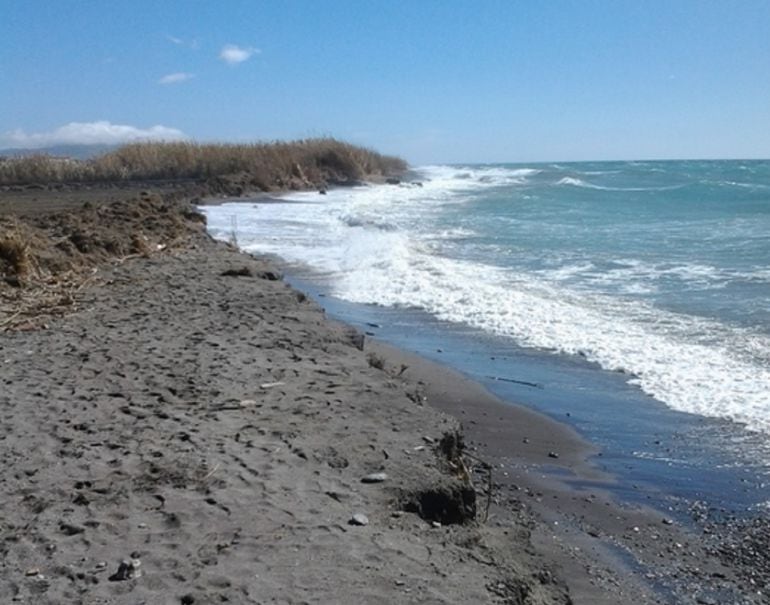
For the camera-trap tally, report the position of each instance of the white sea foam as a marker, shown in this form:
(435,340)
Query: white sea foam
(689,276)
(752,186)
(672,357)
(576,182)
(377,246)
(457,178)
(640,277)
(568,180)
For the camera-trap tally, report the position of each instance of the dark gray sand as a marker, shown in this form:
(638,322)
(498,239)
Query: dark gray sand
(217,430)
(186,436)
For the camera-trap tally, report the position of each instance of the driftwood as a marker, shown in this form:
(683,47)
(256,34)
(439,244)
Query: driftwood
(534,385)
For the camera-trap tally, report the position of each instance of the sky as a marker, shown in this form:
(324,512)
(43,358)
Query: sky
(432,81)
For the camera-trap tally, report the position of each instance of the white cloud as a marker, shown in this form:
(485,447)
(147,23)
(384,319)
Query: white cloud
(233,54)
(175,40)
(91,133)
(176,78)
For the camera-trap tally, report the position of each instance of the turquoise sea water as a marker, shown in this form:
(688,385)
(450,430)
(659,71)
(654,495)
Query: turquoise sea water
(658,272)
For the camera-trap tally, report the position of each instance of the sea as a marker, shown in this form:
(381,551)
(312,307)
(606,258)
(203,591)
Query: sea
(630,300)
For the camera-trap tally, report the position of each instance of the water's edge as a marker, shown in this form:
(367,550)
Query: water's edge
(660,457)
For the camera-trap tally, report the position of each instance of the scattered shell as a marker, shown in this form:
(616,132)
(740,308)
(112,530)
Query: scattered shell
(374,478)
(270,385)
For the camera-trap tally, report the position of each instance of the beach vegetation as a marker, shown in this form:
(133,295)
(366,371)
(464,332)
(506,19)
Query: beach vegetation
(14,254)
(269,166)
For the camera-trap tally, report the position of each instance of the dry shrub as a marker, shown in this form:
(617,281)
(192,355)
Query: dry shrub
(47,259)
(14,252)
(140,244)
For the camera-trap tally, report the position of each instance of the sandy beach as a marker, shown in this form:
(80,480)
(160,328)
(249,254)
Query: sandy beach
(187,428)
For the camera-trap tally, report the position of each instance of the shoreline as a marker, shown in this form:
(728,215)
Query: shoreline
(715,532)
(184,339)
(609,548)
(659,453)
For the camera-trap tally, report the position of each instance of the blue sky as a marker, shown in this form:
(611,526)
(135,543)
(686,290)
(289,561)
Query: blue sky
(433,81)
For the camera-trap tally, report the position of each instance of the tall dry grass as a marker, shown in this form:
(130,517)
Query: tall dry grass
(269,165)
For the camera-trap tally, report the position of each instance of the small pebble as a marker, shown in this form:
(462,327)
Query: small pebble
(32,571)
(123,572)
(136,564)
(374,478)
(553,455)
(127,570)
(359,519)
(69,529)
(436,524)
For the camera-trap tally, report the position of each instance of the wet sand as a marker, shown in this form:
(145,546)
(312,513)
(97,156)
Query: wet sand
(193,430)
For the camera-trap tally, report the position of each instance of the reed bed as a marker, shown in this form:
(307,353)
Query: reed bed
(268,165)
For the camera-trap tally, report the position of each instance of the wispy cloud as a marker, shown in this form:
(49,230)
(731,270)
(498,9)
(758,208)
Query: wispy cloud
(176,78)
(182,42)
(232,54)
(91,133)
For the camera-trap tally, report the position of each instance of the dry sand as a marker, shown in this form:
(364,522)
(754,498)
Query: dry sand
(195,418)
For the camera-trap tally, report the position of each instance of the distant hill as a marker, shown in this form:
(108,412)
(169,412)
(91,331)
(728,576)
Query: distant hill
(78,152)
